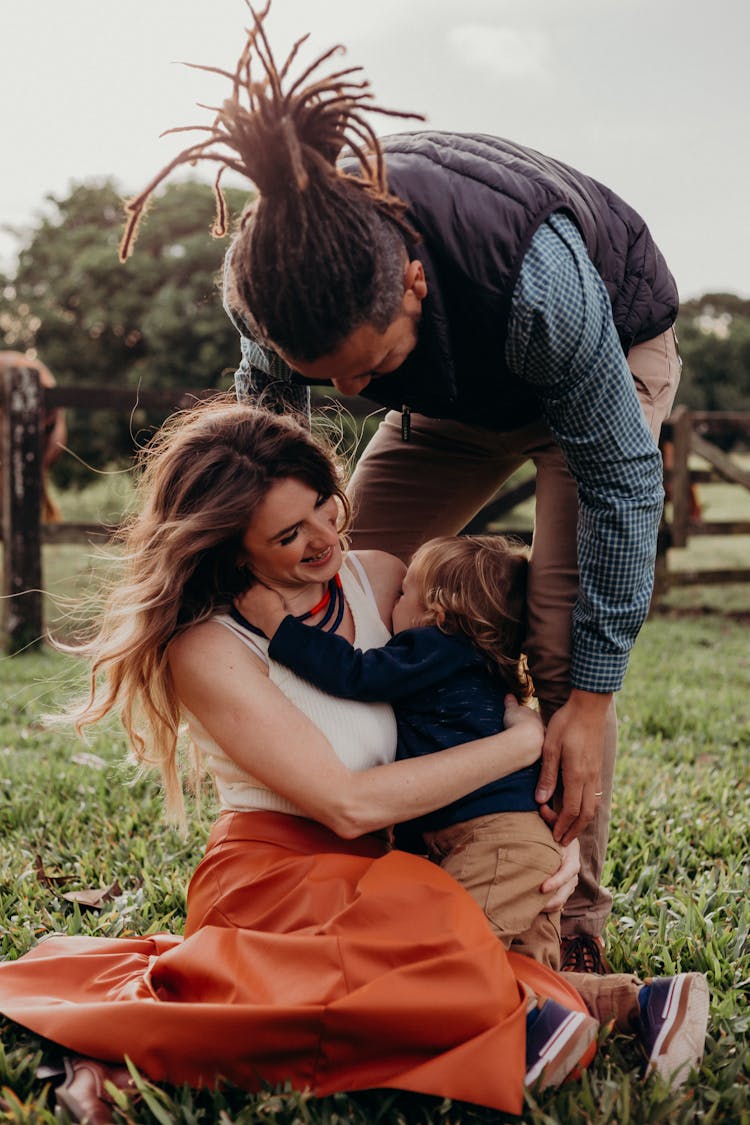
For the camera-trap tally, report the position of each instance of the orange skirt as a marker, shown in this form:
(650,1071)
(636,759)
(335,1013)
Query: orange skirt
(333,964)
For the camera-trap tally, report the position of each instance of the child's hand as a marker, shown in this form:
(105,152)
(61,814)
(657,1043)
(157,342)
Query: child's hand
(262,607)
(518,715)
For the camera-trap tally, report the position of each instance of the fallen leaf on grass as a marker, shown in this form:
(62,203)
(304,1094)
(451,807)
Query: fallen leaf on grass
(46,880)
(94,898)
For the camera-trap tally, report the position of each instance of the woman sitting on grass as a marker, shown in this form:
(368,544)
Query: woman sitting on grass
(312,954)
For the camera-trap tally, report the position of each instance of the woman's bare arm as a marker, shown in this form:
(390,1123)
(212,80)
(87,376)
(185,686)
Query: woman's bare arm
(219,680)
(386,573)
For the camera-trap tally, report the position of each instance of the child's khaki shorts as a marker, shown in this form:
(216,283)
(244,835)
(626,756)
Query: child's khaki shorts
(502,861)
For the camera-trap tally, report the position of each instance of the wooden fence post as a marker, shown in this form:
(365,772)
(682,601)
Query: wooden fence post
(682,430)
(661,566)
(22,498)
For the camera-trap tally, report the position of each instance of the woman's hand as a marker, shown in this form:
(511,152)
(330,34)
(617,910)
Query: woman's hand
(262,607)
(522,718)
(562,884)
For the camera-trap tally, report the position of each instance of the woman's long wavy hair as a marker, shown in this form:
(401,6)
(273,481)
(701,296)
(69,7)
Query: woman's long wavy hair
(321,250)
(202,478)
(476,585)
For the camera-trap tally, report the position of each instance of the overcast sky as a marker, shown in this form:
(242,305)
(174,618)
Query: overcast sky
(651,96)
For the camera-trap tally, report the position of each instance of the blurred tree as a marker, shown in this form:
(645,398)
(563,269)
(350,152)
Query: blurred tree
(156,321)
(714,333)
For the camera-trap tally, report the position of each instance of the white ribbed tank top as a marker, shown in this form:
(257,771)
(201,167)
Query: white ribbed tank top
(362,734)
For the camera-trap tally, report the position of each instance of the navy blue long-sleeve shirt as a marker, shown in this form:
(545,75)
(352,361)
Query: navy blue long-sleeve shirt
(443,693)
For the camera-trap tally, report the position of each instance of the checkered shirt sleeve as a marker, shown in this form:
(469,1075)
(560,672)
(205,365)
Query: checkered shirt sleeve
(262,377)
(563,342)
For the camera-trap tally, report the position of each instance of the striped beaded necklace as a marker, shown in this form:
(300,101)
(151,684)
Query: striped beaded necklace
(332,602)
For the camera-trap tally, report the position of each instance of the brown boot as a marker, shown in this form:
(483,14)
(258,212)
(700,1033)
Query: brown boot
(582,953)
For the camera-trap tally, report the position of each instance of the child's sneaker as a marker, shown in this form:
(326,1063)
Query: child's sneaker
(674,1017)
(559,1043)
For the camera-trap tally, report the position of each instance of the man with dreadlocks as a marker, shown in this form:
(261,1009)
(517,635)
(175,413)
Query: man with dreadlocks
(506,308)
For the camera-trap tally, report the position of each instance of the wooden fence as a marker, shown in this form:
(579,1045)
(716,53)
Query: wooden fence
(686,434)
(23,533)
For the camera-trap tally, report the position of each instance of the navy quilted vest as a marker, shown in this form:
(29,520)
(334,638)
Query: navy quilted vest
(477,201)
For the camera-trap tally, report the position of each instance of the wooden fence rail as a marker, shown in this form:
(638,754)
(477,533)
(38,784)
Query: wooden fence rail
(686,433)
(24,401)
(23,535)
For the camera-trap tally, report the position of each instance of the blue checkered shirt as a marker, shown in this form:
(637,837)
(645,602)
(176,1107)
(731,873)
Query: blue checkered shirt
(562,340)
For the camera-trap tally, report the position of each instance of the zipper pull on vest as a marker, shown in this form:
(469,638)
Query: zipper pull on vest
(405,423)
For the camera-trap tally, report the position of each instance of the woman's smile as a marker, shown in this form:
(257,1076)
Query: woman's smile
(320,559)
(293,538)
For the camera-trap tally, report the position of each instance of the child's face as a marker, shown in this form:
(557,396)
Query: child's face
(409,611)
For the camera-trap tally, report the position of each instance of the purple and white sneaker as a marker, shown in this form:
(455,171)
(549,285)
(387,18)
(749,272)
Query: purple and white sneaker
(674,1018)
(559,1043)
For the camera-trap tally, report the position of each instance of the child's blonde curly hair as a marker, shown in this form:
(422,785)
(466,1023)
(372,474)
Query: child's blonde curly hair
(476,585)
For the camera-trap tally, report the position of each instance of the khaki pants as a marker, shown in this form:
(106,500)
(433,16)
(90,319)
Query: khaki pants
(502,860)
(407,492)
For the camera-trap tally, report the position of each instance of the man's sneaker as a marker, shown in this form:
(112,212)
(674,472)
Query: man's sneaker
(674,1017)
(582,953)
(558,1044)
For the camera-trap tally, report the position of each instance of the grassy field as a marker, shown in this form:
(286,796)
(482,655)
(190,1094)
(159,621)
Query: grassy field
(72,818)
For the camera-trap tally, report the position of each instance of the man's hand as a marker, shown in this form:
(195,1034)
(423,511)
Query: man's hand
(573,748)
(262,607)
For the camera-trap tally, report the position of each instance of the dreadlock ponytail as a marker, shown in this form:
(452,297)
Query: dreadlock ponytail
(320,251)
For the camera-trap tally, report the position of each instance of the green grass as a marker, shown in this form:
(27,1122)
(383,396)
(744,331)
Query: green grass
(679,865)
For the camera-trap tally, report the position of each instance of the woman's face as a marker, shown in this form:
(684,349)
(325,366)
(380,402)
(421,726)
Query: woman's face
(292,539)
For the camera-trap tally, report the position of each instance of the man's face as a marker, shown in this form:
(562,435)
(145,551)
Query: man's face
(368,353)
